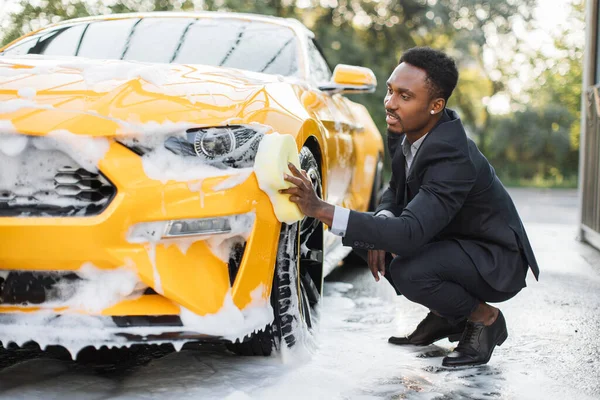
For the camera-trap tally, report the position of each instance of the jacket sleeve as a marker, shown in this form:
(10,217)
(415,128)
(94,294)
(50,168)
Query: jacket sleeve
(446,183)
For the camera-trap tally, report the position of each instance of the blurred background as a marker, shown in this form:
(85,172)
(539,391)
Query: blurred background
(520,62)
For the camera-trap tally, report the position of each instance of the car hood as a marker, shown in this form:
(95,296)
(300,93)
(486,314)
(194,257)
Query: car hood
(39,95)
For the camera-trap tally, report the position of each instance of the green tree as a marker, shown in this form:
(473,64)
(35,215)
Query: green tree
(560,80)
(540,143)
(374,34)
(534,145)
(34,16)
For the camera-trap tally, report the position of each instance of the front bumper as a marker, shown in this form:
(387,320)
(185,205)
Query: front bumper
(194,278)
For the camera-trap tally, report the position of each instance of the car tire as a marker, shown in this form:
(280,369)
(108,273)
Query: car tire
(294,295)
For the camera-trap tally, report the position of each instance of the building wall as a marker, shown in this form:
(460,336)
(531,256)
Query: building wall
(589,160)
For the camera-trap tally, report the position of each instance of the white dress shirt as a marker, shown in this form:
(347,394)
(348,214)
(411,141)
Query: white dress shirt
(341,214)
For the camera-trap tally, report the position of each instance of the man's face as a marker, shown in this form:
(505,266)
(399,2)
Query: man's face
(407,102)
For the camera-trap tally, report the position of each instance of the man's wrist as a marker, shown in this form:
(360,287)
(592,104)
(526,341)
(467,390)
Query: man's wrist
(325,213)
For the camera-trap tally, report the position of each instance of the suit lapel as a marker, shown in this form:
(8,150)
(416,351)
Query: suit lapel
(414,165)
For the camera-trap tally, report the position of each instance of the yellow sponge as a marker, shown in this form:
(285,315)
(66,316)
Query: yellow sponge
(274,153)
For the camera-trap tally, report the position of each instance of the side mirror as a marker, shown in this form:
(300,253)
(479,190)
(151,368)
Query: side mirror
(350,79)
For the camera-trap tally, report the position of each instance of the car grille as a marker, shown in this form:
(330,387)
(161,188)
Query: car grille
(62,189)
(32,287)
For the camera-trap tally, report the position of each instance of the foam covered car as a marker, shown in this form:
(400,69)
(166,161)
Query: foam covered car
(140,161)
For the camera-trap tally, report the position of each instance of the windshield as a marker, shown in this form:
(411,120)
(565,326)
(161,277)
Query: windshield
(228,42)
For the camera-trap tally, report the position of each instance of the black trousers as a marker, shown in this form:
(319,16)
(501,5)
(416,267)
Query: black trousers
(442,277)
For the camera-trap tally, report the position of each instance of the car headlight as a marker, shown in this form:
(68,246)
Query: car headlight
(215,143)
(229,146)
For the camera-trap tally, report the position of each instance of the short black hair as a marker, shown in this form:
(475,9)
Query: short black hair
(442,74)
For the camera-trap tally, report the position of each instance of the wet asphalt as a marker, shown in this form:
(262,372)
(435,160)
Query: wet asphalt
(553,350)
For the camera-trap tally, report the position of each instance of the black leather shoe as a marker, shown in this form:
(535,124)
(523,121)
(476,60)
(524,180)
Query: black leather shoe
(477,343)
(431,329)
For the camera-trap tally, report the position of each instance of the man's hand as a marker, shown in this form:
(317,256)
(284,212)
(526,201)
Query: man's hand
(304,195)
(376,260)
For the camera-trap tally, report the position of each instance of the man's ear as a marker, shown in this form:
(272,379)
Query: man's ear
(437,105)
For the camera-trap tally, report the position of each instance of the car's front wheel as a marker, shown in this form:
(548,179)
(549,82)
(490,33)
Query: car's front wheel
(294,294)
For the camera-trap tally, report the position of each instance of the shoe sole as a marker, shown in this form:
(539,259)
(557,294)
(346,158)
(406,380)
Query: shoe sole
(499,342)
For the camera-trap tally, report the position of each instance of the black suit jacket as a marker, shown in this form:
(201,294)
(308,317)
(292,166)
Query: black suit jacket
(451,193)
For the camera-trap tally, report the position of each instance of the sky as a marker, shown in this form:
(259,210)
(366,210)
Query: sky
(550,16)
(550,13)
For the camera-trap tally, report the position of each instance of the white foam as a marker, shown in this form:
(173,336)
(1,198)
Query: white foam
(147,232)
(197,187)
(230,322)
(75,332)
(95,71)
(96,290)
(241,227)
(183,244)
(369,165)
(86,150)
(12,144)
(7,127)
(164,166)
(235,180)
(7,70)
(221,245)
(238,395)
(101,288)
(10,106)
(151,249)
(152,132)
(28,165)
(27,92)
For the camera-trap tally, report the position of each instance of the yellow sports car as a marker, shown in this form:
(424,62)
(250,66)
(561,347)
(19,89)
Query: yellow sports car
(140,161)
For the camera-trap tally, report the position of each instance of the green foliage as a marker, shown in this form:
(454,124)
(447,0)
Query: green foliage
(536,144)
(34,16)
(375,34)
(532,144)
(540,143)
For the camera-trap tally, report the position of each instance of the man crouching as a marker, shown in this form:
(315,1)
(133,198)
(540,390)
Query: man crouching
(457,239)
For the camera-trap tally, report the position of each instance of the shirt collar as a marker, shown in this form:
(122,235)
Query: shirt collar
(414,147)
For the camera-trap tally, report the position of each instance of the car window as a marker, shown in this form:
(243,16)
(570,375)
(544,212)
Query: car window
(228,42)
(319,70)
(107,39)
(255,46)
(60,42)
(22,47)
(156,39)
